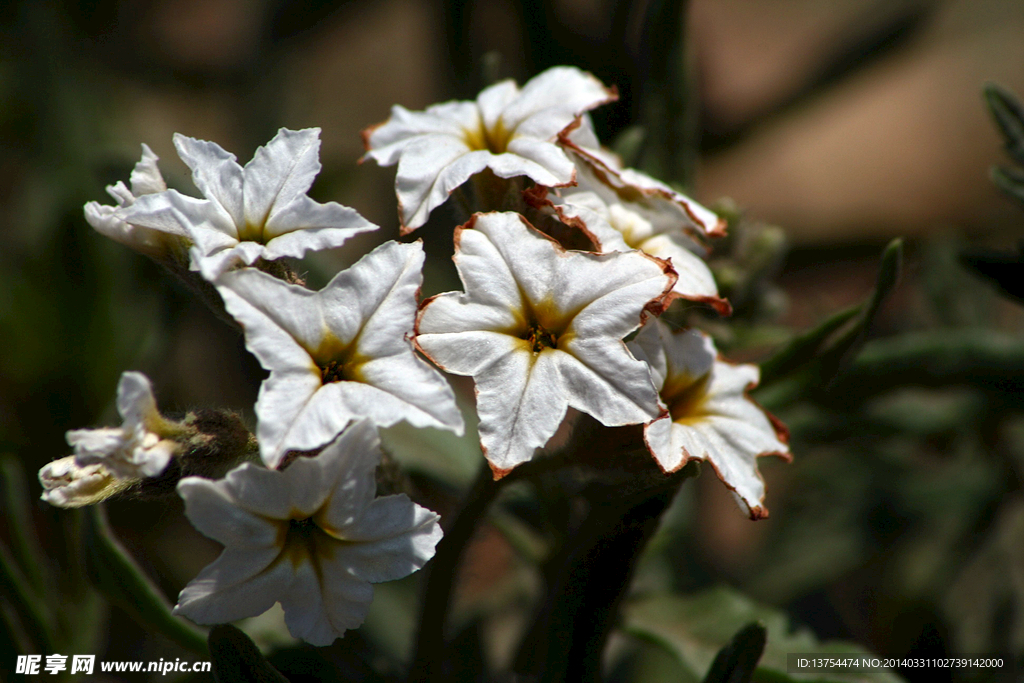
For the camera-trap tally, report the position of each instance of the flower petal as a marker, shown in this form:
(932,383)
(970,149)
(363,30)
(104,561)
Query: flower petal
(280,172)
(550,101)
(146,177)
(203,222)
(395,538)
(215,510)
(283,323)
(216,173)
(238,584)
(135,399)
(354,455)
(321,604)
(327,225)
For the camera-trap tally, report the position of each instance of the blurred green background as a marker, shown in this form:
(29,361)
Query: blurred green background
(900,524)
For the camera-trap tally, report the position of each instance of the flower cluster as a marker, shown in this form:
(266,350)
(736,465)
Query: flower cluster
(540,328)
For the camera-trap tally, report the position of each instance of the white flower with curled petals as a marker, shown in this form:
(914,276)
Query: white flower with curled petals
(710,416)
(669,212)
(621,226)
(509,130)
(168,242)
(339,354)
(66,484)
(141,446)
(312,537)
(540,329)
(259,211)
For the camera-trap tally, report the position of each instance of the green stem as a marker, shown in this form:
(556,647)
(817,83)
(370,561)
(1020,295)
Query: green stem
(429,660)
(589,579)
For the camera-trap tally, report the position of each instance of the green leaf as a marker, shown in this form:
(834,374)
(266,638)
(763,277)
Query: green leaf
(18,519)
(1010,181)
(823,350)
(237,659)
(667,102)
(27,606)
(736,661)
(116,575)
(1009,116)
(805,346)
(693,629)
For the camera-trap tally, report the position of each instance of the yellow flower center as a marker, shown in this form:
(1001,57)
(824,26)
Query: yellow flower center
(338,362)
(686,398)
(494,140)
(304,541)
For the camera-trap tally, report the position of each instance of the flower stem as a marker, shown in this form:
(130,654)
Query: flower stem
(588,580)
(429,660)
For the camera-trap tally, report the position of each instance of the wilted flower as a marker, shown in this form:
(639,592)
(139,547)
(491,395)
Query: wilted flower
(311,537)
(710,416)
(66,484)
(170,242)
(339,354)
(510,131)
(142,446)
(540,329)
(260,211)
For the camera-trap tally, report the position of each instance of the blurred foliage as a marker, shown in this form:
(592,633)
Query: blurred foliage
(693,628)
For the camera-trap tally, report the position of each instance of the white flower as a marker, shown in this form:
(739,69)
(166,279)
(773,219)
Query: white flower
(69,485)
(260,211)
(540,329)
(622,225)
(338,354)
(139,447)
(710,416)
(171,241)
(510,131)
(669,212)
(311,537)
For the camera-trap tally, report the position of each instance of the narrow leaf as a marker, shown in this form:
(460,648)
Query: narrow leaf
(116,575)
(236,658)
(1009,116)
(823,350)
(804,347)
(18,519)
(1010,181)
(735,663)
(27,605)
(667,100)
(850,342)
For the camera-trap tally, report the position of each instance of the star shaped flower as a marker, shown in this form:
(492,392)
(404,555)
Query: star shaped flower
(141,447)
(512,132)
(710,416)
(259,211)
(540,329)
(171,242)
(312,537)
(339,354)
